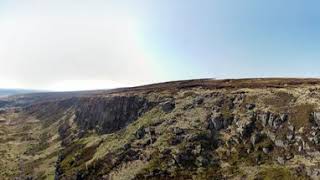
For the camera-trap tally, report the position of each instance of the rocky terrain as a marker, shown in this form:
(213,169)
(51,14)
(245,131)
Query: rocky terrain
(197,129)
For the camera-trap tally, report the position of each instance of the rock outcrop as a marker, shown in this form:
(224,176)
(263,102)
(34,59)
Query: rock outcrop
(107,115)
(229,129)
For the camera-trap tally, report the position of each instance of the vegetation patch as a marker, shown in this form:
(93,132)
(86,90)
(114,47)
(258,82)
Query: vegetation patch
(300,115)
(226,109)
(279,101)
(277,173)
(40,146)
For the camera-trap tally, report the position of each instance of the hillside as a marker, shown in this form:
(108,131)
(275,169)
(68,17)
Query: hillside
(196,129)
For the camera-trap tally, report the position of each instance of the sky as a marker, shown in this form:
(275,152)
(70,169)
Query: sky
(98,44)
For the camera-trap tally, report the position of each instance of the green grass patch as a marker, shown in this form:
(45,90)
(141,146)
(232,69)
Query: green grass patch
(277,173)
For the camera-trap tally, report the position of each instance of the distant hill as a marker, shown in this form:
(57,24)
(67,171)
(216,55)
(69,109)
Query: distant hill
(9,92)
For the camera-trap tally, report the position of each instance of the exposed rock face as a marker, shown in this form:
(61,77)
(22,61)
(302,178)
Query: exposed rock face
(195,132)
(316,118)
(218,122)
(272,120)
(106,115)
(264,117)
(255,138)
(246,128)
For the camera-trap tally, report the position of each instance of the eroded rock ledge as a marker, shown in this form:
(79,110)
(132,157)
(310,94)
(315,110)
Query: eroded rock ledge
(109,114)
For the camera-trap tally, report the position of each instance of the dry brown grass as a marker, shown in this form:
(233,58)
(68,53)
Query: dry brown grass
(253,83)
(279,101)
(300,115)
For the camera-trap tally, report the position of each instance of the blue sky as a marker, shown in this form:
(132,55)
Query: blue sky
(236,38)
(68,45)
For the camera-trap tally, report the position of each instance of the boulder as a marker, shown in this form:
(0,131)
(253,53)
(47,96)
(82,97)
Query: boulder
(250,106)
(171,122)
(291,128)
(279,143)
(271,120)
(313,173)
(258,159)
(276,123)
(255,138)
(188,106)
(184,158)
(153,140)
(281,160)
(245,129)
(151,131)
(127,146)
(289,156)
(202,161)
(166,152)
(271,135)
(168,106)
(216,122)
(178,131)
(290,136)
(198,101)
(252,115)
(175,140)
(197,150)
(316,118)
(140,133)
(264,117)
(284,117)
(266,150)
(316,139)
(249,150)
(279,120)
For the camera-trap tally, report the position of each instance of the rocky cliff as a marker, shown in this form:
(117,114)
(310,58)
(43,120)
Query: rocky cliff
(107,115)
(199,129)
